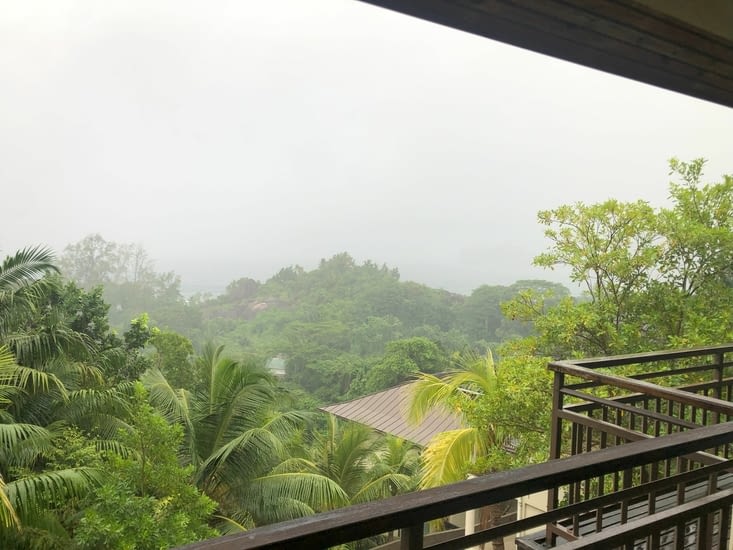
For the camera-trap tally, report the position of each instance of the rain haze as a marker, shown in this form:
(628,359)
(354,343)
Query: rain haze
(234,138)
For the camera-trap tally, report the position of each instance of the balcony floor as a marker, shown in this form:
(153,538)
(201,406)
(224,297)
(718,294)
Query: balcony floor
(636,510)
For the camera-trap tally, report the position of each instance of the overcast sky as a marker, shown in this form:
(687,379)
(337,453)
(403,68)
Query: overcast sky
(234,138)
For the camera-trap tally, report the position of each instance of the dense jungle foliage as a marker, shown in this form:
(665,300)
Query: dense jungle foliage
(133,417)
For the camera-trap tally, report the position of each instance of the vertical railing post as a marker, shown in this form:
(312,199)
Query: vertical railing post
(724,541)
(411,538)
(718,392)
(557,405)
(555,444)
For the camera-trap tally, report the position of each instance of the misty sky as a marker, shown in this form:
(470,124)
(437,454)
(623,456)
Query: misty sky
(233,138)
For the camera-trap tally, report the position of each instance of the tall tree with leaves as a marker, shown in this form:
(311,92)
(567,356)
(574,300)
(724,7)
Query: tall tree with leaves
(653,278)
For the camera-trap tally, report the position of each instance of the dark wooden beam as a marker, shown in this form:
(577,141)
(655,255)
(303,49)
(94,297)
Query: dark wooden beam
(617,36)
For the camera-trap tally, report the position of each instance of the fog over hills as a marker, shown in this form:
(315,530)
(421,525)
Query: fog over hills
(196,278)
(235,139)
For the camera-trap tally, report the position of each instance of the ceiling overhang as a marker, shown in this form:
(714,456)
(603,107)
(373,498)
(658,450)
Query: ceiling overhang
(679,45)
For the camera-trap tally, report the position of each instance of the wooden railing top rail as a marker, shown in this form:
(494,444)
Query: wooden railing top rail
(683,370)
(647,388)
(647,357)
(411,510)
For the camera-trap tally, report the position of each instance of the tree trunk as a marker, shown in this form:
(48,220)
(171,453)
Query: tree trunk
(490,517)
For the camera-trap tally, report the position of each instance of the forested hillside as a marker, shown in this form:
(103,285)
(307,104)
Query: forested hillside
(341,329)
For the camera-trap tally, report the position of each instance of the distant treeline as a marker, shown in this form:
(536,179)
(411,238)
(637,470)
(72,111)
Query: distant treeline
(332,325)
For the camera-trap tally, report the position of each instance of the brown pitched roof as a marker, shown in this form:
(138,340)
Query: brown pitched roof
(386,412)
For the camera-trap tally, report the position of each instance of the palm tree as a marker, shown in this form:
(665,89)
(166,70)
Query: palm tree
(22,288)
(475,449)
(30,325)
(399,456)
(24,268)
(47,383)
(238,442)
(27,498)
(366,466)
(43,386)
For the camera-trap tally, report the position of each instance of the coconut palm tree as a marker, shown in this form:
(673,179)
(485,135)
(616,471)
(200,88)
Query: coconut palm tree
(27,496)
(43,387)
(366,466)
(238,442)
(24,268)
(475,449)
(400,456)
(30,325)
(22,289)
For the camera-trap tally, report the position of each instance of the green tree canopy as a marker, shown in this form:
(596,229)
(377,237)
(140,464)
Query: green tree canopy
(653,278)
(402,360)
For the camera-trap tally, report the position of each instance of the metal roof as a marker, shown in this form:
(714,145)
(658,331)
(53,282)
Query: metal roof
(386,411)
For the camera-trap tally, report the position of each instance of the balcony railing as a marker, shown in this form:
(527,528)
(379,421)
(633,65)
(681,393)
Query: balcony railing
(640,458)
(612,401)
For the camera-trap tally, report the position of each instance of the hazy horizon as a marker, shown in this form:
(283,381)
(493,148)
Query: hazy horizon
(234,139)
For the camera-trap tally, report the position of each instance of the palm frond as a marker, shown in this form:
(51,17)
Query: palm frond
(76,374)
(449,454)
(7,359)
(284,424)
(26,266)
(295,464)
(476,374)
(275,511)
(427,393)
(228,526)
(88,407)
(171,403)
(400,455)
(8,515)
(20,443)
(53,339)
(353,456)
(176,408)
(29,494)
(111,446)
(315,490)
(31,380)
(384,486)
(239,459)
(241,409)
